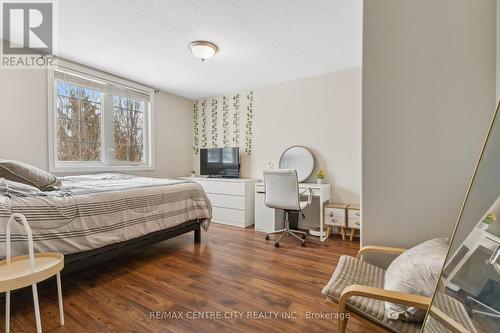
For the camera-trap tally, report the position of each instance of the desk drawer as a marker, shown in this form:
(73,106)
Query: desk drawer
(354,223)
(220,187)
(227,201)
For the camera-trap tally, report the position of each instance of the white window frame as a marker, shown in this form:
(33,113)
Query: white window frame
(107,162)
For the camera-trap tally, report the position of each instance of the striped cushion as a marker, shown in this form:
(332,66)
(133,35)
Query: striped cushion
(354,271)
(23,173)
(453,308)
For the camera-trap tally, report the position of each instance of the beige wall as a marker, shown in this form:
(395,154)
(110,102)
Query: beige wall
(174,121)
(322,113)
(23,119)
(498,51)
(428,98)
(23,116)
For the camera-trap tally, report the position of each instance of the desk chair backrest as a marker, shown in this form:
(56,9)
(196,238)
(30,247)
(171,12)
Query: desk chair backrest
(282,189)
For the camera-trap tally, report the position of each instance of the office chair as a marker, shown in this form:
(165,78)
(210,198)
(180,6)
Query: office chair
(282,192)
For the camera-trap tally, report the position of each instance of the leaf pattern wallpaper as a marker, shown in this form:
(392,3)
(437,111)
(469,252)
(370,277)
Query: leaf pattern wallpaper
(236,120)
(249,124)
(223,123)
(214,129)
(203,124)
(196,130)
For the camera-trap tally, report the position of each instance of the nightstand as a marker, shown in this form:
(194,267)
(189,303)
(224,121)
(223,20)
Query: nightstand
(353,219)
(23,271)
(335,216)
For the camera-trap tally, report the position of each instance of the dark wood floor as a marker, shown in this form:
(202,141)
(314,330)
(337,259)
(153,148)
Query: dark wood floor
(232,270)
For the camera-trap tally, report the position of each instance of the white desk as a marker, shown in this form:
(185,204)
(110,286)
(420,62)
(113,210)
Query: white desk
(320,191)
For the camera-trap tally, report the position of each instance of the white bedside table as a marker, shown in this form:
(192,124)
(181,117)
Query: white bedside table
(22,271)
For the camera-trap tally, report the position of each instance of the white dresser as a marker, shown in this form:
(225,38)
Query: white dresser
(232,199)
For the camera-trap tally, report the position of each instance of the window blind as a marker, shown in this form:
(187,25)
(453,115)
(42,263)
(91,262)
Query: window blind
(103,85)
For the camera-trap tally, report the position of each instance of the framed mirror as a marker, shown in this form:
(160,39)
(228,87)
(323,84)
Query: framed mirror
(467,298)
(298,158)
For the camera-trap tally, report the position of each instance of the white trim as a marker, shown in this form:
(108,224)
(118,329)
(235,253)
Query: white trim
(51,119)
(100,168)
(100,76)
(107,163)
(151,132)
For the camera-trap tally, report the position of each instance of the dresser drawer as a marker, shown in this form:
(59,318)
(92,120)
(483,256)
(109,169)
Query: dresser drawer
(354,213)
(227,201)
(335,216)
(227,188)
(233,216)
(354,223)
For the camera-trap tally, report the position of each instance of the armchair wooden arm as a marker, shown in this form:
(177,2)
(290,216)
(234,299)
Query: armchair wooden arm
(420,302)
(417,301)
(379,249)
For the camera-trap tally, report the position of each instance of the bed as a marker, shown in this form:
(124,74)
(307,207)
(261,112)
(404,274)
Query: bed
(93,218)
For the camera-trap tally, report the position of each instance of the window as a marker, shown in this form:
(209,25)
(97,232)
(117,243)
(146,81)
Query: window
(97,123)
(78,112)
(128,129)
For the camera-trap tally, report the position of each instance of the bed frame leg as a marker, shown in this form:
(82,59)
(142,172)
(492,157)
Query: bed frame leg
(197,234)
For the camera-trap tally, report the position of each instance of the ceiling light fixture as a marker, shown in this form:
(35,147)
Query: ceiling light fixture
(203,49)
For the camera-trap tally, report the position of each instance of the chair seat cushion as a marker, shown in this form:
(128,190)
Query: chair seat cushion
(454,309)
(354,271)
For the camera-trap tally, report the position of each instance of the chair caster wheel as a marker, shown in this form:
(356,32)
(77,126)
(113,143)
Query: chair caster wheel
(267,237)
(303,244)
(276,244)
(304,236)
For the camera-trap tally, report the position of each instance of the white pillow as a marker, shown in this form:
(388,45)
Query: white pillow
(415,271)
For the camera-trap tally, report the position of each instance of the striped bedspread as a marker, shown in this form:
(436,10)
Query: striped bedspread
(92,211)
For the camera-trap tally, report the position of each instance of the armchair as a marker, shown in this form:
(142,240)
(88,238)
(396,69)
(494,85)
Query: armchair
(357,290)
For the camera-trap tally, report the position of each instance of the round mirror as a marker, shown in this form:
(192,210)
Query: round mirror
(298,158)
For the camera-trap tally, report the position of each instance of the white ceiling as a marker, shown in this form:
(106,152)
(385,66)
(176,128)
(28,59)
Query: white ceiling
(261,42)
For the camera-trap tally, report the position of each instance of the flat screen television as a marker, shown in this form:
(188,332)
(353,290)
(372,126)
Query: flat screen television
(220,162)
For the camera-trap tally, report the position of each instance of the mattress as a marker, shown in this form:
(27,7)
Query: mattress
(93,211)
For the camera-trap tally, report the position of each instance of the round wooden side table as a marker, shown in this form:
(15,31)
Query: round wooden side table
(22,271)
